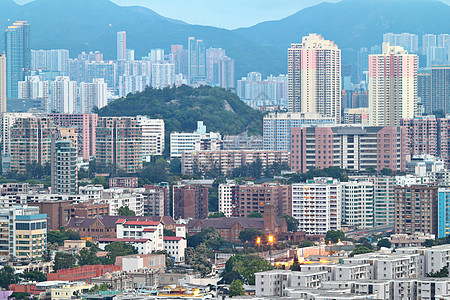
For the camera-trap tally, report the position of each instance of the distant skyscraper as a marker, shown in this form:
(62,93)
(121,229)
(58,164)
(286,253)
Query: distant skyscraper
(409,41)
(93,94)
(392,86)
(362,64)
(130,54)
(18,52)
(2,83)
(214,57)
(163,74)
(226,75)
(440,88)
(428,41)
(121,45)
(64,95)
(314,77)
(156,55)
(34,88)
(196,61)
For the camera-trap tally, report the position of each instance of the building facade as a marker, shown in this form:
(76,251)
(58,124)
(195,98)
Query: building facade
(190,201)
(119,143)
(392,86)
(314,77)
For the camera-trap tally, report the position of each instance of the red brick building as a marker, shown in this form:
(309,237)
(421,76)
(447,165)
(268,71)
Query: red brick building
(230,228)
(254,197)
(84,273)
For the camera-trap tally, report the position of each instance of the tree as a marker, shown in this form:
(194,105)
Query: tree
(198,259)
(101,181)
(168,232)
(208,236)
(334,236)
(384,243)
(292,223)
(125,211)
(371,170)
(244,267)
(429,243)
(249,235)
(8,276)
(360,250)
(175,166)
(88,256)
(119,249)
(63,261)
(439,274)
(305,244)
(255,214)
(34,276)
(386,172)
(236,288)
(60,236)
(216,215)
(19,296)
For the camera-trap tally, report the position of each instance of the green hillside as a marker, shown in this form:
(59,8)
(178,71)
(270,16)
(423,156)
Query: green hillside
(222,111)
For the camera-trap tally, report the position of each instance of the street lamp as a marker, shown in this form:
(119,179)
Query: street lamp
(270,239)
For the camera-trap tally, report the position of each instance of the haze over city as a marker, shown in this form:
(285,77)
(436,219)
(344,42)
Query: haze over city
(224,149)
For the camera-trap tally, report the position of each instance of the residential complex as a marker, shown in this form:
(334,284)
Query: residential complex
(348,147)
(314,77)
(119,143)
(392,86)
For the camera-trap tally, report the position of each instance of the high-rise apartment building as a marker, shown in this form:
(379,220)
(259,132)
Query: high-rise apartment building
(348,147)
(18,53)
(2,83)
(277,128)
(179,57)
(196,61)
(121,45)
(93,94)
(383,202)
(190,201)
(314,77)
(357,204)
(31,141)
(105,70)
(153,136)
(416,209)
(119,143)
(422,135)
(362,66)
(23,233)
(213,58)
(163,74)
(85,126)
(55,60)
(443,212)
(392,86)
(132,84)
(440,88)
(409,41)
(64,172)
(316,204)
(34,88)
(63,95)
(256,92)
(428,41)
(424,90)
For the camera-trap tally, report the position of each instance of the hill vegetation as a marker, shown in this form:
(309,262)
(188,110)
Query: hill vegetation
(181,107)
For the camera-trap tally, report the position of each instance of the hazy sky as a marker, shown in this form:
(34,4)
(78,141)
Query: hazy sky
(228,14)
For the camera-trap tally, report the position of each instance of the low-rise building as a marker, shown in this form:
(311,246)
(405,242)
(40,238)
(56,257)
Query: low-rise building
(84,273)
(175,247)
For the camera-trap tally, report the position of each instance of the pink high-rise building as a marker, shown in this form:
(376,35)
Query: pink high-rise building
(392,86)
(348,147)
(85,125)
(314,77)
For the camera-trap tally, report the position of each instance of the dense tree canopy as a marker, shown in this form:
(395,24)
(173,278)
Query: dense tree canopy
(244,267)
(181,107)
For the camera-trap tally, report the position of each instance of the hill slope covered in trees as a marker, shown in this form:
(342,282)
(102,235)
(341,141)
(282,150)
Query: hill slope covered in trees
(222,111)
